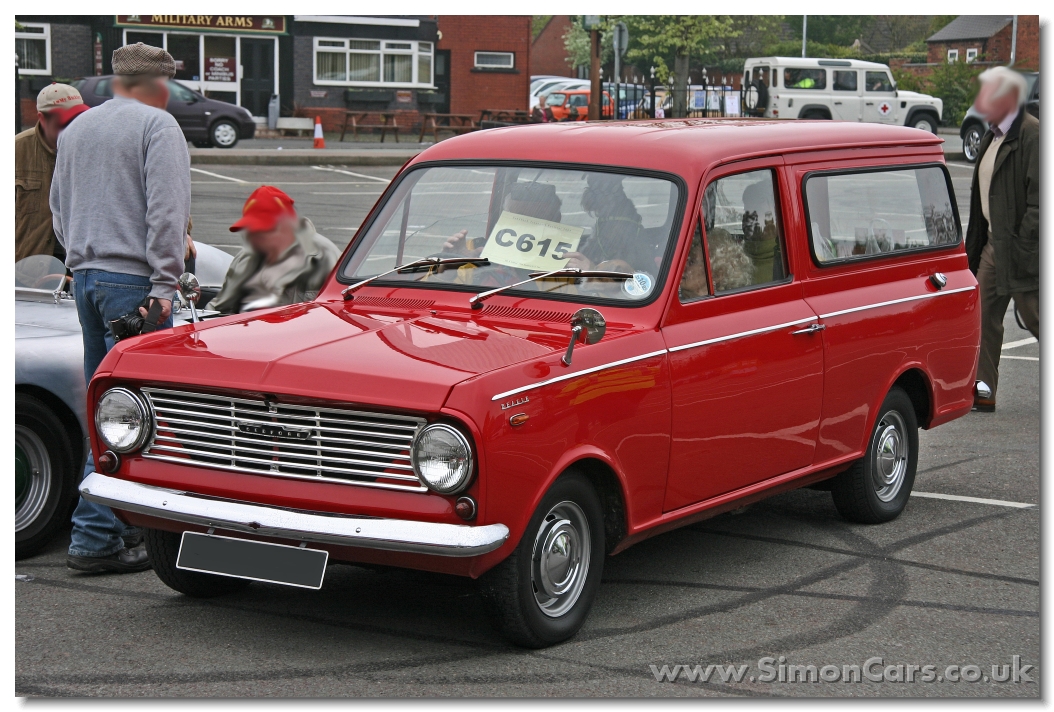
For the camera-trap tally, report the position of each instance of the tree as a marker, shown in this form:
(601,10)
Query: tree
(831,29)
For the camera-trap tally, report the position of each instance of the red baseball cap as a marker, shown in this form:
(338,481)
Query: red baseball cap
(263,208)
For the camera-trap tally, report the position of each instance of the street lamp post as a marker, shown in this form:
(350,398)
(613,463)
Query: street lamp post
(804,24)
(592,24)
(653,92)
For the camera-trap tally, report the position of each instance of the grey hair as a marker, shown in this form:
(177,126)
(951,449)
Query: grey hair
(1005,79)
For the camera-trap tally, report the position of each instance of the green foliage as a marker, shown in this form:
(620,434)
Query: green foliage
(908,81)
(830,29)
(577,44)
(538,23)
(659,40)
(955,83)
(815,50)
(939,22)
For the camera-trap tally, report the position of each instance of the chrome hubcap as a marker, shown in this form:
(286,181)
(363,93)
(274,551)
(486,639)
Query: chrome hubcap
(32,477)
(561,559)
(225,134)
(925,126)
(891,456)
(971,144)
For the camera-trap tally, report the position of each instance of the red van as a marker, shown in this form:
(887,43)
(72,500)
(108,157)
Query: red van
(547,343)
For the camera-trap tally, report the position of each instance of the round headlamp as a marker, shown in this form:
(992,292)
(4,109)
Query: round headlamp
(122,420)
(442,458)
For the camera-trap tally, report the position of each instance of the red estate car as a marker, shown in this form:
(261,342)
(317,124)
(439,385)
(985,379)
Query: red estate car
(547,343)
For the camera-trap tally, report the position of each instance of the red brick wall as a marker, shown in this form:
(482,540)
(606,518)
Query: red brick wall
(996,49)
(548,54)
(471,91)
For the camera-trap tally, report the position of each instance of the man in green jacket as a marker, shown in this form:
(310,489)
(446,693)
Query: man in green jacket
(1002,241)
(285,262)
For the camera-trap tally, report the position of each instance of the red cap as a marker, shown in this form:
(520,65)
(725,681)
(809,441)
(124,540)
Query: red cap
(69,114)
(263,208)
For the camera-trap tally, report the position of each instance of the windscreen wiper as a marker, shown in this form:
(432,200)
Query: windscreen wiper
(424,262)
(476,301)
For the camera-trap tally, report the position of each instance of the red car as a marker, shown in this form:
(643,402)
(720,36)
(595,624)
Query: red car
(550,342)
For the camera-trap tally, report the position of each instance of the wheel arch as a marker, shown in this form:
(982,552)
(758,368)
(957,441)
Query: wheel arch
(609,489)
(919,389)
(915,111)
(821,108)
(967,125)
(65,415)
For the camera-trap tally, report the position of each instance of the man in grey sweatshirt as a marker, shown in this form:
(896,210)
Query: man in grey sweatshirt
(121,201)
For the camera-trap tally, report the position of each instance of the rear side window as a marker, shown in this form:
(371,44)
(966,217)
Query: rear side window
(845,80)
(859,215)
(804,78)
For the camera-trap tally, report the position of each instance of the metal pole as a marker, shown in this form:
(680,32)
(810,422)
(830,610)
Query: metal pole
(596,89)
(653,92)
(1013,45)
(618,70)
(18,100)
(804,25)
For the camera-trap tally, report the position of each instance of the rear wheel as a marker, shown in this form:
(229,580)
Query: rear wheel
(925,122)
(972,142)
(542,593)
(163,548)
(45,474)
(876,488)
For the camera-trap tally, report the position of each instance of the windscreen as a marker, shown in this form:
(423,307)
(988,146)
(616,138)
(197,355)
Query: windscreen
(524,220)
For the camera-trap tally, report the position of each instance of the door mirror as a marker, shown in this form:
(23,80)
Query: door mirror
(190,291)
(586,325)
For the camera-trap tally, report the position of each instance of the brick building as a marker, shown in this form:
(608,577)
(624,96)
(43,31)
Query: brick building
(490,61)
(548,53)
(986,39)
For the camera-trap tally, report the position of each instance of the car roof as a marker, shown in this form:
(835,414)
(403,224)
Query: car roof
(683,146)
(811,62)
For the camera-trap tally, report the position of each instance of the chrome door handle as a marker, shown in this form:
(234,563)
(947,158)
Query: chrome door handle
(810,329)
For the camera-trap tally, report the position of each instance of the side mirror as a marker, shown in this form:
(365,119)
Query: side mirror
(190,290)
(586,325)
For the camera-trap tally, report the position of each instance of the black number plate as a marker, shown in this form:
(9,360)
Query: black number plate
(256,560)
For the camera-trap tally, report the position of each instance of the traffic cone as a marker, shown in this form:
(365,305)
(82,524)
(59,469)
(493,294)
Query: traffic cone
(320,141)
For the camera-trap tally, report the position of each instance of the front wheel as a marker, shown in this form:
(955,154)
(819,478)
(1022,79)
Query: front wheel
(924,123)
(163,548)
(876,488)
(542,593)
(224,134)
(972,142)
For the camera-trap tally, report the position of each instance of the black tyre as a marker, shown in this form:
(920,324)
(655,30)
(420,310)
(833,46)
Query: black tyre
(876,488)
(972,142)
(925,122)
(224,134)
(542,593)
(46,474)
(815,116)
(163,548)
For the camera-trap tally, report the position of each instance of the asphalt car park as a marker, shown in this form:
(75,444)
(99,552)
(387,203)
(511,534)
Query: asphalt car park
(953,582)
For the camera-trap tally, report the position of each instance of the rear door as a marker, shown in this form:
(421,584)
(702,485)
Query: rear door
(877,235)
(745,361)
(846,102)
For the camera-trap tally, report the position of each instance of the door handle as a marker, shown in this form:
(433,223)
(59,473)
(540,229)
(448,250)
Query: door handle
(837,103)
(810,329)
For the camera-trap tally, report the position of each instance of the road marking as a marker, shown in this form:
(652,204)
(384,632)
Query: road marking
(290,182)
(1021,358)
(217,175)
(346,193)
(341,228)
(974,500)
(1022,342)
(966,166)
(349,173)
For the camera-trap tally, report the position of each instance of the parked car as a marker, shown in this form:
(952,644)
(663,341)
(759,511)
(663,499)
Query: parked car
(51,428)
(205,122)
(539,88)
(842,89)
(549,342)
(974,126)
(572,105)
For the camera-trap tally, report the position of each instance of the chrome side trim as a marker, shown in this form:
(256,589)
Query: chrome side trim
(576,374)
(896,301)
(455,540)
(741,334)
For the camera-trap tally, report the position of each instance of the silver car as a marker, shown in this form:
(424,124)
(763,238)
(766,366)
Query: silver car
(974,126)
(50,414)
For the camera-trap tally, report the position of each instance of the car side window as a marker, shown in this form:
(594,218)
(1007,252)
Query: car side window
(744,242)
(694,282)
(845,80)
(103,88)
(856,215)
(804,78)
(180,92)
(877,81)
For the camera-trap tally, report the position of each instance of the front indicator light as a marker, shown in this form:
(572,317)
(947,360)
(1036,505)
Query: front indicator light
(442,458)
(122,420)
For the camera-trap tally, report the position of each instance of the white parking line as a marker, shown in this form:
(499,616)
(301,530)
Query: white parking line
(353,193)
(1021,358)
(349,173)
(217,175)
(974,500)
(1022,342)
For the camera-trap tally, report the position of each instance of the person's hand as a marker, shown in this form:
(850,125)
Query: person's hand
(576,260)
(456,242)
(166,309)
(191,250)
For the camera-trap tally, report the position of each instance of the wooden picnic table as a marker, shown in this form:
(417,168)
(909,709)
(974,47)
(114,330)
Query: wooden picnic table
(457,123)
(388,123)
(512,116)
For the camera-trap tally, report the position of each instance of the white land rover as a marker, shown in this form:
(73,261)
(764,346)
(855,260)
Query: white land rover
(842,89)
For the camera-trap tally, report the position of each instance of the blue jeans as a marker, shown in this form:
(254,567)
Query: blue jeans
(101,296)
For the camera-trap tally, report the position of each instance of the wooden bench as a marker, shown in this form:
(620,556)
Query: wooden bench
(358,121)
(455,123)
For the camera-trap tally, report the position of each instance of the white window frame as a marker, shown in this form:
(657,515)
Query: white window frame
(971,54)
(385,47)
(953,55)
(510,55)
(46,36)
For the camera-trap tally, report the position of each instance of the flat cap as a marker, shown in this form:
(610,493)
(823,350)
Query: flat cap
(139,58)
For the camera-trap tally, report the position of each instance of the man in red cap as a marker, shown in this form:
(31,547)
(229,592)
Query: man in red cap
(57,106)
(285,261)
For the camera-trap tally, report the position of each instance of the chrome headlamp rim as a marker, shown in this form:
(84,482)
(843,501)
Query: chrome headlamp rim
(145,411)
(465,442)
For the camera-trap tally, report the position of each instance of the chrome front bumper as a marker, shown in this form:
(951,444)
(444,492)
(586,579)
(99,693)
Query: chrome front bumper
(386,534)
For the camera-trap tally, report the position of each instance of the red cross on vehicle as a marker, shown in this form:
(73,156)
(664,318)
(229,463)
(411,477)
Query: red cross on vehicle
(884,108)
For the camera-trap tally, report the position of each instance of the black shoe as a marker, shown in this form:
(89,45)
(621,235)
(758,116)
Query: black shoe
(133,540)
(125,561)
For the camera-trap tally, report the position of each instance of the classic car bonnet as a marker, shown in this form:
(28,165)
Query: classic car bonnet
(320,350)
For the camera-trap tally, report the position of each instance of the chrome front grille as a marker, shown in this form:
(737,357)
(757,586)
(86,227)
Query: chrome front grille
(282,440)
